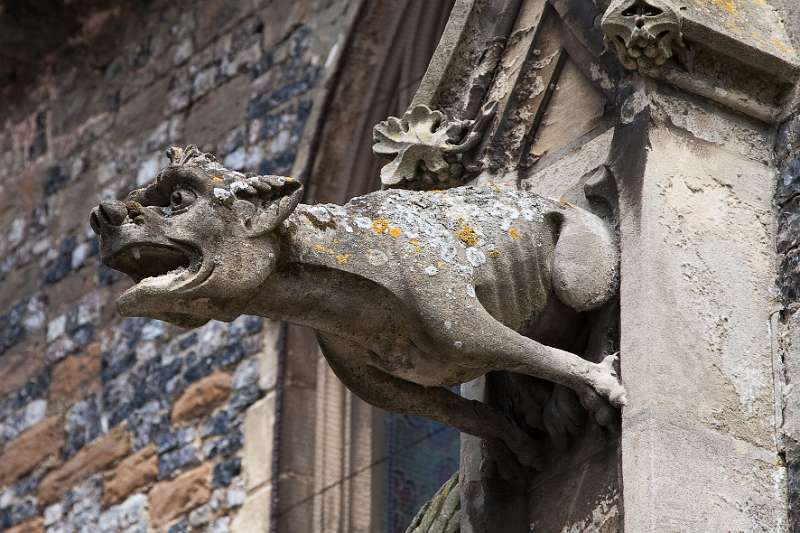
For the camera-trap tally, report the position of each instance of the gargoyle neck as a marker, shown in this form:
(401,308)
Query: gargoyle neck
(295,291)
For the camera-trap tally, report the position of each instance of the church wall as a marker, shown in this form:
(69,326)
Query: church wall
(124,424)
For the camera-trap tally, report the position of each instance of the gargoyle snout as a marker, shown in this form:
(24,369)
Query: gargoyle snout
(107,214)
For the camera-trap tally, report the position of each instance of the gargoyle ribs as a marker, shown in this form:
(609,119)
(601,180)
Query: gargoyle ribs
(410,292)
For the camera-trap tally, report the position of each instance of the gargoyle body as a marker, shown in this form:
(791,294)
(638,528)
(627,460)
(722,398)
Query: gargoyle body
(409,292)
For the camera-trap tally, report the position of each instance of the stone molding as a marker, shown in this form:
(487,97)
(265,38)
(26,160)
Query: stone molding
(736,54)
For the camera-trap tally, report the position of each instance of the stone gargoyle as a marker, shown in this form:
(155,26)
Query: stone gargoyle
(410,292)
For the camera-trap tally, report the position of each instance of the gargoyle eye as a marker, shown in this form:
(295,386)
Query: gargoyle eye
(181,198)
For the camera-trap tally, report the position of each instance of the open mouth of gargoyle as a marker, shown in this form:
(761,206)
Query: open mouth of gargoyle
(159,262)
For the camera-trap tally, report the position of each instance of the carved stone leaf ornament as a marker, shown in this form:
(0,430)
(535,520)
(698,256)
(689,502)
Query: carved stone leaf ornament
(421,136)
(645,33)
(423,140)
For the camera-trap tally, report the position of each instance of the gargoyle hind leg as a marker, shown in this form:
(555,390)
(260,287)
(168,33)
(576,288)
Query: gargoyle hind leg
(486,342)
(438,403)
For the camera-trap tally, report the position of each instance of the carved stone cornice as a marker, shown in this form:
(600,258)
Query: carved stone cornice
(732,52)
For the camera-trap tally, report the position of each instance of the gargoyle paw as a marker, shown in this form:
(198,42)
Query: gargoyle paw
(605,381)
(605,391)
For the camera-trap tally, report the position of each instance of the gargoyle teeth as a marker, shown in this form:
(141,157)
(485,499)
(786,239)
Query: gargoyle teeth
(137,253)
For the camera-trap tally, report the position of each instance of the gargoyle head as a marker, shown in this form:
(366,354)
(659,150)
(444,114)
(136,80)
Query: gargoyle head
(645,33)
(197,241)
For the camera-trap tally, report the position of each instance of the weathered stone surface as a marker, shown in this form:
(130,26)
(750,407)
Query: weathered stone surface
(202,397)
(169,499)
(95,457)
(680,214)
(130,474)
(31,449)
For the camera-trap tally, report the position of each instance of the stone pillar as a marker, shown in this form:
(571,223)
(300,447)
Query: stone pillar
(693,161)
(698,265)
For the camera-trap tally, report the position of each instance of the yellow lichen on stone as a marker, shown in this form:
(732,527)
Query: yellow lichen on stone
(727,5)
(217,178)
(513,233)
(494,253)
(323,249)
(439,263)
(342,258)
(394,232)
(416,244)
(467,235)
(380,225)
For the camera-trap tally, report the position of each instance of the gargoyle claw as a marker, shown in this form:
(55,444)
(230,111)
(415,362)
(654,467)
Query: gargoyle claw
(604,391)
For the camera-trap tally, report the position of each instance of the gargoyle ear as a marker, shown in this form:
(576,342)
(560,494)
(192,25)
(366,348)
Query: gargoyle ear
(273,197)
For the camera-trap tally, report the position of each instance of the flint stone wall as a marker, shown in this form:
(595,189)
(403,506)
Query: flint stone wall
(111,424)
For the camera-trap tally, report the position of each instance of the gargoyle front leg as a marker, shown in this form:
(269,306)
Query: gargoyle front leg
(490,345)
(438,403)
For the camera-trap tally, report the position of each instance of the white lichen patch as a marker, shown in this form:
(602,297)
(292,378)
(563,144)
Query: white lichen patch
(321,213)
(431,270)
(223,195)
(242,187)
(363,222)
(475,256)
(377,258)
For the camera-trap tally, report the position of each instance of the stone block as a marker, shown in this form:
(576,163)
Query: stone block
(142,113)
(20,364)
(269,356)
(170,499)
(219,112)
(75,377)
(748,490)
(35,525)
(259,427)
(130,474)
(255,513)
(202,398)
(31,449)
(94,457)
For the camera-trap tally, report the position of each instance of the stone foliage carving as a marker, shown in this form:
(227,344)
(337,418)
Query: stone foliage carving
(426,147)
(410,292)
(644,33)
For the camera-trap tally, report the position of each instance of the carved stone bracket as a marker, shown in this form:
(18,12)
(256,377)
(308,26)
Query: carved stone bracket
(427,148)
(645,33)
(736,54)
